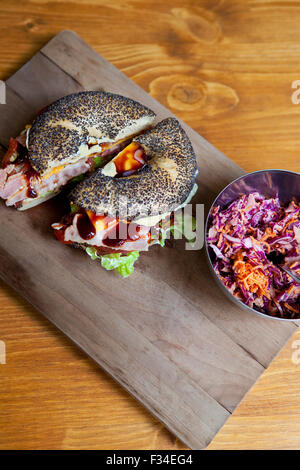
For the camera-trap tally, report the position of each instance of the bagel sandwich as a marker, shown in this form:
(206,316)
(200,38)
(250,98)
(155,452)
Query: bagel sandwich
(131,203)
(73,136)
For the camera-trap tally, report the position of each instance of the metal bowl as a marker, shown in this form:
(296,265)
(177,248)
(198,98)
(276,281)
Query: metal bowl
(270,183)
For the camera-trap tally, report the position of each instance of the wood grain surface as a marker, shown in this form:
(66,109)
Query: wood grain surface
(46,403)
(166,333)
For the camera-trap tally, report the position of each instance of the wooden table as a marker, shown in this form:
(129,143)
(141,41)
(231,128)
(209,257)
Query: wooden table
(226,68)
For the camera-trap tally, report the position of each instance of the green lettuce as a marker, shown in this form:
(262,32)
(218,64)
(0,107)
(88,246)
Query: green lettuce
(74,208)
(77,179)
(46,194)
(92,253)
(182,226)
(98,161)
(123,264)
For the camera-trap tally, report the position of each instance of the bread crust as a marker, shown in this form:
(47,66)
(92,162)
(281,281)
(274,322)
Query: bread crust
(60,134)
(159,187)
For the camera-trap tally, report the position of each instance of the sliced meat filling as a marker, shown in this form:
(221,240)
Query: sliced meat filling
(19,181)
(22,182)
(127,162)
(107,234)
(104,233)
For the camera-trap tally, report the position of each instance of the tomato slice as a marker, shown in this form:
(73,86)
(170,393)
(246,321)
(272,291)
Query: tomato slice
(60,235)
(12,149)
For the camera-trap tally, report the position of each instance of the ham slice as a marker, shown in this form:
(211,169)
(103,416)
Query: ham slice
(115,148)
(19,183)
(18,196)
(11,180)
(57,180)
(3,179)
(22,139)
(14,183)
(71,235)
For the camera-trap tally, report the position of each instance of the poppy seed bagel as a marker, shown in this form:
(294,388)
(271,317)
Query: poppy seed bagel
(162,185)
(60,134)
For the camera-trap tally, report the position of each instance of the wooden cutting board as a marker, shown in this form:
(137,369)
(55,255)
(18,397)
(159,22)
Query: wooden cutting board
(167,333)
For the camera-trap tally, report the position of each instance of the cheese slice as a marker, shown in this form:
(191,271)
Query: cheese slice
(54,170)
(123,162)
(101,222)
(85,151)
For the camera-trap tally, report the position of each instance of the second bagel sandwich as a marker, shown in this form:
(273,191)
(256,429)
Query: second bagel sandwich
(71,137)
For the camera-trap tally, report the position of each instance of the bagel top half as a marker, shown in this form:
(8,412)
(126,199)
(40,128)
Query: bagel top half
(161,186)
(61,133)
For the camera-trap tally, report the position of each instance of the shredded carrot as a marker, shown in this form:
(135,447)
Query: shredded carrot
(269,234)
(254,278)
(246,268)
(290,308)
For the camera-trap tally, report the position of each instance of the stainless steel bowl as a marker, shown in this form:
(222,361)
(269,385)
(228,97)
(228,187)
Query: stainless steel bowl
(270,183)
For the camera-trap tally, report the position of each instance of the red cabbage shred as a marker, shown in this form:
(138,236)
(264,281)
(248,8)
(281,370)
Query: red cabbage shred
(250,240)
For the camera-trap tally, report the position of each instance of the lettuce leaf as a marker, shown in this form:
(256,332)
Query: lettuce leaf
(77,179)
(124,264)
(183,225)
(47,193)
(92,252)
(74,208)
(98,161)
